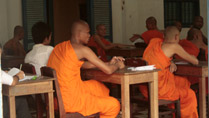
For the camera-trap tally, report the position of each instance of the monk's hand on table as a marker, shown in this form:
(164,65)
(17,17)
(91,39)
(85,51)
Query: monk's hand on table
(120,64)
(115,59)
(173,67)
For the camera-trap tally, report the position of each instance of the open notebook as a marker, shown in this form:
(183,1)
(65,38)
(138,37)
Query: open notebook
(14,71)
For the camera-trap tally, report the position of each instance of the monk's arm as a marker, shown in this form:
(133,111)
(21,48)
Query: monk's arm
(134,37)
(106,47)
(88,65)
(94,60)
(183,54)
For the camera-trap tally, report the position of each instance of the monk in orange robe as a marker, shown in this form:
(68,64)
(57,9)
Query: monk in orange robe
(171,87)
(85,97)
(101,44)
(152,31)
(192,45)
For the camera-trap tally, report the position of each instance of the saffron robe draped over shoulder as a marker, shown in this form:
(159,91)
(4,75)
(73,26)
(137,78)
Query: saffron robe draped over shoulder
(100,50)
(188,47)
(170,87)
(85,97)
(150,34)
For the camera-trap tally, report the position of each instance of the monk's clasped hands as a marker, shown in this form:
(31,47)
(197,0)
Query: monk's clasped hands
(119,61)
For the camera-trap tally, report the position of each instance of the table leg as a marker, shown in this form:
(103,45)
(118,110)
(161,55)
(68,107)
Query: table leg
(12,106)
(51,104)
(125,95)
(202,97)
(153,87)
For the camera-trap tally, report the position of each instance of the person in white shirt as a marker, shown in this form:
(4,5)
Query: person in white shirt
(39,55)
(22,110)
(41,51)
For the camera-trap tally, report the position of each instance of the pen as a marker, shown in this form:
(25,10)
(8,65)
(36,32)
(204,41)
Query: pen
(20,66)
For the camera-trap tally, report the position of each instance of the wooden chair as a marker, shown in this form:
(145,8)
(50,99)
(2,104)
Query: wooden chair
(28,68)
(47,71)
(11,61)
(134,62)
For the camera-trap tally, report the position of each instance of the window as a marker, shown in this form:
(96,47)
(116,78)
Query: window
(100,13)
(33,11)
(180,10)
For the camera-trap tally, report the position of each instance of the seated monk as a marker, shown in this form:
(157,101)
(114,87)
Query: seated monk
(100,43)
(152,31)
(198,23)
(13,47)
(193,43)
(85,97)
(171,87)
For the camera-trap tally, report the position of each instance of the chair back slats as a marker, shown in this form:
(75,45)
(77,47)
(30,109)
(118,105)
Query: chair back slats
(28,68)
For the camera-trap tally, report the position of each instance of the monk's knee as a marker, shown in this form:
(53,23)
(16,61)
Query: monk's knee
(193,95)
(115,104)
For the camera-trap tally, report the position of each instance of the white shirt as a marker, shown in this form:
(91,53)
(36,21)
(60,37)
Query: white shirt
(6,78)
(39,56)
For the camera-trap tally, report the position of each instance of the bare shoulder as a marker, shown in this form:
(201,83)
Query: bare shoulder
(81,48)
(170,49)
(8,43)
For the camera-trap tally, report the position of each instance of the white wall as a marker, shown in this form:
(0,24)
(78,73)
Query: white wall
(130,15)
(10,16)
(135,13)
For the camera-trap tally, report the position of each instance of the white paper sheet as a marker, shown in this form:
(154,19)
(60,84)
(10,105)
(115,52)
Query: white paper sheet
(182,62)
(141,68)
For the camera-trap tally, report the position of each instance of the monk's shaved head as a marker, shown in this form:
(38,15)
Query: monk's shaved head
(171,32)
(198,22)
(17,30)
(178,25)
(151,20)
(98,26)
(197,18)
(151,23)
(193,32)
(78,26)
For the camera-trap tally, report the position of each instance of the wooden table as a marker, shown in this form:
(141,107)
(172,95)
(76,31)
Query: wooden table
(126,78)
(200,71)
(126,52)
(40,85)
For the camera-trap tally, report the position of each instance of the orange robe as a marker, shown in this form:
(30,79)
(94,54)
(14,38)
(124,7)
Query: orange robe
(188,47)
(192,49)
(100,50)
(170,87)
(150,34)
(85,97)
